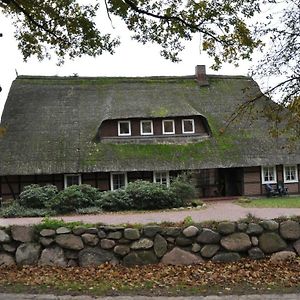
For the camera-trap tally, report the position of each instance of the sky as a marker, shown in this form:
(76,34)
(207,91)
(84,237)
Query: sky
(130,59)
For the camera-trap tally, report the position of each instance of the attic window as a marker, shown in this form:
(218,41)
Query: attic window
(72,179)
(146,127)
(188,126)
(168,126)
(124,128)
(268,174)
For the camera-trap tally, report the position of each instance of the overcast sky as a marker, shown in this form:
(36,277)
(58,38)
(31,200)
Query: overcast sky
(130,59)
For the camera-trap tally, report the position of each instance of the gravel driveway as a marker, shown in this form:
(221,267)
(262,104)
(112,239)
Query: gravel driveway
(218,210)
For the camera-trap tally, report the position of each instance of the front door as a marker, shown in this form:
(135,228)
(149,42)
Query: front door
(230,181)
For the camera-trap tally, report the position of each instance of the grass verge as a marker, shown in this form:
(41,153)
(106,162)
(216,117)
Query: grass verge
(274,202)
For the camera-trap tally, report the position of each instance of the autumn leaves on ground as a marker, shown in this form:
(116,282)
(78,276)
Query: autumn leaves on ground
(245,276)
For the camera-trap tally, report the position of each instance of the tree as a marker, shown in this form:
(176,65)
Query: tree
(70,30)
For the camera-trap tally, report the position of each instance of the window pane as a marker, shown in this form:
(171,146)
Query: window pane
(118,181)
(168,126)
(72,180)
(188,126)
(124,127)
(146,127)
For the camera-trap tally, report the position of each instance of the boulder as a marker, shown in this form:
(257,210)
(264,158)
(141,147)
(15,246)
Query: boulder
(144,257)
(101,234)
(9,247)
(90,239)
(270,242)
(72,263)
(131,234)
(254,229)
(4,237)
(79,230)
(71,254)
(178,256)
(209,250)
(63,230)
(53,256)
(142,244)
(171,231)
(282,256)
(91,230)
(256,253)
(6,260)
(151,230)
(236,242)
(28,254)
(24,234)
(196,248)
(115,235)
(69,241)
(269,225)
(208,236)
(121,250)
(94,256)
(297,246)
(107,244)
(226,227)
(46,241)
(242,226)
(190,231)
(182,241)
(47,232)
(160,246)
(226,257)
(254,241)
(290,230)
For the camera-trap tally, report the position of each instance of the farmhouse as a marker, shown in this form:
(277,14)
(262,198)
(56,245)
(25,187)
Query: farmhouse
(107,132)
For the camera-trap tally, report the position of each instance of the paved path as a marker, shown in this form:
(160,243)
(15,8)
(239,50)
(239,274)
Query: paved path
(229,297)
(222,210)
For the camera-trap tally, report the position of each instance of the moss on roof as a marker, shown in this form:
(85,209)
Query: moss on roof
(50,124)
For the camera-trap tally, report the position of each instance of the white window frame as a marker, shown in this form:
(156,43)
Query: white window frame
(141,127)
(163,127)
(193,125)
(119,128)
(284,174)
(69,175)
(117,173)
(263,177)
(167,177)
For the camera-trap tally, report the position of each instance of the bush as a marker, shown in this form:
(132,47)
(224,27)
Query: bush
(15,210)
(115,201)
(89,210)
(183,188)
(74,197)
(149,195)
(35,196)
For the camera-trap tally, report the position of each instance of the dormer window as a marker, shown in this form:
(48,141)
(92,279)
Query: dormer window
(146,127)
(124,128)
(188,126)
(168,127)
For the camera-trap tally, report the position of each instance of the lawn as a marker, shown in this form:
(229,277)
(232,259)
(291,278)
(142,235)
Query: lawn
(276,202)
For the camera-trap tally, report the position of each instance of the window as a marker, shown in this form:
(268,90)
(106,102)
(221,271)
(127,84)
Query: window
(290,173)
(146,127)
(72,179)
(168,126)
(268,174)
(188,126)
(161,177)
(124,128)
(118,180)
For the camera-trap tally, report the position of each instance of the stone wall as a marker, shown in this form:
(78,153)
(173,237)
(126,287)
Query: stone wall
(228,241)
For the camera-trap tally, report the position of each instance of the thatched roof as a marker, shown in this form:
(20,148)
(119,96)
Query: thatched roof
(49,125)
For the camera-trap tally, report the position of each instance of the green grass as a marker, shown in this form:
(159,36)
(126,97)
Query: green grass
(275,202)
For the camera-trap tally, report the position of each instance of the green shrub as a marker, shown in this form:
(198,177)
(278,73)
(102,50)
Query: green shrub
(183,187)
(74,197)
(149,195)
(89,210)
(115,201)
(16,210)
(35,196)
(49,223)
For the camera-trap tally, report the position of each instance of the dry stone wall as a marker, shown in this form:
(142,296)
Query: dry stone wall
(228,241)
